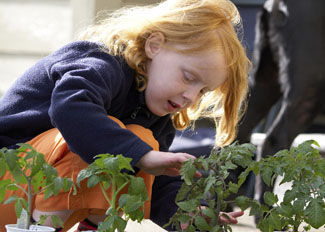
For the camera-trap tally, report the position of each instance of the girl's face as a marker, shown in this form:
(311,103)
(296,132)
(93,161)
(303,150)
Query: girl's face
(175,80)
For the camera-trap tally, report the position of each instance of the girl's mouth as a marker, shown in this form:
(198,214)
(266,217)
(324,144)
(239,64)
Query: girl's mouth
(173,106)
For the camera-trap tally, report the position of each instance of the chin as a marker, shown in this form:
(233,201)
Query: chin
(157,112)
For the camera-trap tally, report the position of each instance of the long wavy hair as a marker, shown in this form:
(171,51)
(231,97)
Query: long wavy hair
(201,25)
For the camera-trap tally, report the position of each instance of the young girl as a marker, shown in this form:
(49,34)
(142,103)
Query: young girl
(159,68)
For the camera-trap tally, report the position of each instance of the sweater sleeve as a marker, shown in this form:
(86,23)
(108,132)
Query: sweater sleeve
(84,90)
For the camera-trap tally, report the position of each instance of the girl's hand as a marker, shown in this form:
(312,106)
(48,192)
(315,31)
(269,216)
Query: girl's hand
(164,163)
(229,218)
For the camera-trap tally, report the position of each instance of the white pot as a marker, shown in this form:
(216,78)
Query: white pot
(13,228)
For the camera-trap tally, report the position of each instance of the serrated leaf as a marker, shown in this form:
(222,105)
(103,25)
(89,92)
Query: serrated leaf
(182,192)
(298,205)
(138,187)
(243,202)
(92,181)
(187,171)
(209,212)
(233,187)
(274,220)
(315,213)
(125,163)
(120,224)
(289,196)
(188,206)
(266,174)
(83,174)
(201,223)
(2,167)
(136,215)
(11,157)
(18,208)
(285,210)
(270,198)
(58,184)
(190,228)
(57,222)
(132,203)
(184,218)
(112,165)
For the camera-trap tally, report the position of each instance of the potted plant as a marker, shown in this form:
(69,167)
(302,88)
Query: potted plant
(303,205)
(213,188)
(30,174)
(113,174)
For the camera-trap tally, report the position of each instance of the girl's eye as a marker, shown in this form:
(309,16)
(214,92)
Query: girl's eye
(187,78)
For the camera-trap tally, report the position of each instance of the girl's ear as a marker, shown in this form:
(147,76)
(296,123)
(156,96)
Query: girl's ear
(153,44)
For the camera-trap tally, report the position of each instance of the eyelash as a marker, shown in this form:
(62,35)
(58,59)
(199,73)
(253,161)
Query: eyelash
(186,78)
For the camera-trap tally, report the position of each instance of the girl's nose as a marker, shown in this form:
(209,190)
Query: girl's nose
(191,94)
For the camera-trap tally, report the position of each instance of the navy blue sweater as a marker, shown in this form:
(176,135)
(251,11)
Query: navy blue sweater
(74,89)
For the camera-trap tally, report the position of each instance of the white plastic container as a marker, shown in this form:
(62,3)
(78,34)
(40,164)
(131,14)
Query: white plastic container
(13,228)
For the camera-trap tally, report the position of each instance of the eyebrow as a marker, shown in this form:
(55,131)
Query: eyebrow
(197,75)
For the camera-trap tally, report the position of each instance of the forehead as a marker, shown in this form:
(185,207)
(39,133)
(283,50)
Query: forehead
(209,65)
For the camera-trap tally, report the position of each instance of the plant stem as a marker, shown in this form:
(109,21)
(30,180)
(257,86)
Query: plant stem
(114,194)
(104,193)
(29,201)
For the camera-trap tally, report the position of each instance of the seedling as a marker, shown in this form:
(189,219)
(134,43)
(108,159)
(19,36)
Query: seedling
(112,175)
(32,175)
(213,188)
(304,168)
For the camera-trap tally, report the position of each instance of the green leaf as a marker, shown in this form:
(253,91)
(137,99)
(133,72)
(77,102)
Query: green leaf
(274,220)
(57,222)
(289,196)
(188,206)
(50,172)
(190,228)
(201,223)
(92,181)
(315,213)
(184,218)
(125,163)
(58,184)
(209,212)
(270,198)
(256,208)
(67,184)
(182,192)
(298,205)
(187,171)
(83,174)
(137,215)
(18,208)
(37,180)
(138,187)
(11,199)
(285,210)
(233,187)
(112,165)
(266,174)
(2,167)
(264,226)
(111,223)
(131,203)
(243,202)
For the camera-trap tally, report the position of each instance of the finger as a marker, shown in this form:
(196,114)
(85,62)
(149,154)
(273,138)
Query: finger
(236,214)
(171,172)
(189,156)
(228,218)
(197,174)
